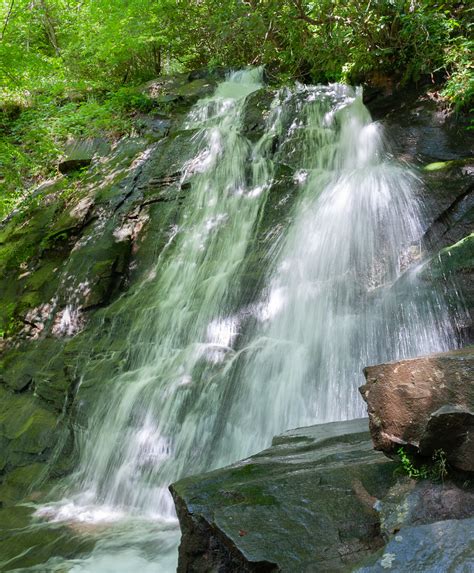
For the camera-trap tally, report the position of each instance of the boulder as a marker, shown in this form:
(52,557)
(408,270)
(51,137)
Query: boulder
(321,499)
(305,504)
(426,404)
(173,91)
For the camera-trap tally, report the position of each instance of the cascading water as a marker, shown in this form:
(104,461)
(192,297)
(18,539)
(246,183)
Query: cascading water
(335,300)
(154,427)
(211,378)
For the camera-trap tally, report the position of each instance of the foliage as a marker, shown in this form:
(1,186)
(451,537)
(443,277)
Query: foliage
(51,43)
(459,88)
(72,68)
(34,136)
(437,470)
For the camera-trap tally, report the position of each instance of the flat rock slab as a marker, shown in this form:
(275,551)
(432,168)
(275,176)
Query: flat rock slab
(424,403)
(305,504)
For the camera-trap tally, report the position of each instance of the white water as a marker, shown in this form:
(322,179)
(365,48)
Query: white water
(333,304)
(211,381)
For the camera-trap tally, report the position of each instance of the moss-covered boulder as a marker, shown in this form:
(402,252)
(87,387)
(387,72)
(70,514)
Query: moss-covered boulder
(305,504)
(321,499)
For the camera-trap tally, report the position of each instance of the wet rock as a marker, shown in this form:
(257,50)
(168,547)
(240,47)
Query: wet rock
(450,197)
(411,502)
(79,153)
(29,431)
(455,259)
(305,504)
(256,112)
(25,544)
(154,126)
(440,546)
(453,266)
(421,128)
(16,372)
(20,482)
(320,499)
(425,403)
(439,143)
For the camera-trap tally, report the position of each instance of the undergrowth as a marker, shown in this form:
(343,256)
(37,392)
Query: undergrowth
(35,132)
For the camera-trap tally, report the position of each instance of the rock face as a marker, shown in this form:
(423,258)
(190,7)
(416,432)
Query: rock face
(426,404)
(80,153)
(423,133)
(74,253)
(305,504)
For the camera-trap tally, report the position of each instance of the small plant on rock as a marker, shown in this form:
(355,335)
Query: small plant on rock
(437,470)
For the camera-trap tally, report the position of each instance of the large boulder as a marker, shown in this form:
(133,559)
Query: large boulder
(305,504)
(425,404)
(320,499)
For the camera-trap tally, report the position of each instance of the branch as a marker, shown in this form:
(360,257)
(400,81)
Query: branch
(49,27)
(298,4)
(10,10)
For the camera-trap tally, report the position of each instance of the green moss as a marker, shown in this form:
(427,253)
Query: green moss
(255,495)
(16,370)
(26,424)
(43,276)
(439,165)
(457,257)
(21,481)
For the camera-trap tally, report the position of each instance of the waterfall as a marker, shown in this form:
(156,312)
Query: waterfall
(211,376)
(338,296)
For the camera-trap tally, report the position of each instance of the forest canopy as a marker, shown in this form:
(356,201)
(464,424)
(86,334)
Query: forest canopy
(70,67)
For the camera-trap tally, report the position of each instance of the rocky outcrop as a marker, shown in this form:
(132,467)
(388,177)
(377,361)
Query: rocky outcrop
(67,254)
(80,153)
(440,146)
(305,504)
(320,499)
(426,404)
(72,256)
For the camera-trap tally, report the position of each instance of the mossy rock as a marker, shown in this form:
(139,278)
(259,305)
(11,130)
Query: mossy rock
(305,503)
(446,165)
(257,109)
(21,481)
(16,370)
(26,542)
(195,89)
(27,428)
(39,363)
(455,258)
